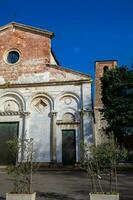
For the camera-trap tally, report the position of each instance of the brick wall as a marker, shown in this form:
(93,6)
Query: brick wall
(34,51)
(99,70)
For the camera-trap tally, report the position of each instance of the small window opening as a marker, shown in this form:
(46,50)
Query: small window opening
(105,68)
(13,57)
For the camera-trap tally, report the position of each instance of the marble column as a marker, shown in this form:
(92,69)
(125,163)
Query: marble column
(53,137)
(25,133)
(25,130)
(81,125)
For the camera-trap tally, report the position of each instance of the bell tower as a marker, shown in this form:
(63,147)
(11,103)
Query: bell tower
(99,123)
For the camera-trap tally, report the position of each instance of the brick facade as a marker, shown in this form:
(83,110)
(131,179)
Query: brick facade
(99,70)
(34,51)
(100,124)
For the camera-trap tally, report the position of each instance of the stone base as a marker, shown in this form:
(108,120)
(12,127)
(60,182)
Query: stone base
(104,196)
(10,196)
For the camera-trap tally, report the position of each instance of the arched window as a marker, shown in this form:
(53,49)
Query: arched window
(68,117)
(105,68)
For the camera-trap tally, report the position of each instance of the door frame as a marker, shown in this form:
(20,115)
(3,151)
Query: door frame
(75,143)
(11,122)
(21,129)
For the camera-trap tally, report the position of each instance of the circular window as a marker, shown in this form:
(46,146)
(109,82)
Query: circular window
(12,57)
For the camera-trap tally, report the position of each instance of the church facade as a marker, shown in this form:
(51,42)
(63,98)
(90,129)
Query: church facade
(39,99)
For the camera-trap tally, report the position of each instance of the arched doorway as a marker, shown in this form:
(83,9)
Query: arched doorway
(8,130)
(11,107)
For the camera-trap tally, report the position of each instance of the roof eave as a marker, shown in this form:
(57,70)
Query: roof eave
(28,28)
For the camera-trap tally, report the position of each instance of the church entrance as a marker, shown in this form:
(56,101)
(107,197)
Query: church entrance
(8,130)
(68,147)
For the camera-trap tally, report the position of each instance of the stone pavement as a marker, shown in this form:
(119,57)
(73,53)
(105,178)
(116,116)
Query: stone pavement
(67,185)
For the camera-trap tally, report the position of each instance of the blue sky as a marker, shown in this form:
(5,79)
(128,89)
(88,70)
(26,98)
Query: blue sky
(85,30)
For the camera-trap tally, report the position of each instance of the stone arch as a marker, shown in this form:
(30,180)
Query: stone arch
(43,96)
(12,101)
(69,110)
(40,107)
(68,95)
(68,117)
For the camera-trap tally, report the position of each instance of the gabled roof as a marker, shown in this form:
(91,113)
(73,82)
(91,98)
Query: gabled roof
(27,28)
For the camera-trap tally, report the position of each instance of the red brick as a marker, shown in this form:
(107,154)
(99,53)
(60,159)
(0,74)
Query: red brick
(32,47)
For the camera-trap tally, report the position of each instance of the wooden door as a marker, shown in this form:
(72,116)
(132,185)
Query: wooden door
(68,147)
(8,130)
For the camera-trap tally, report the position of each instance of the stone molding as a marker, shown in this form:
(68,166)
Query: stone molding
(19,85)
(8,113)
(85,111)
(59,122)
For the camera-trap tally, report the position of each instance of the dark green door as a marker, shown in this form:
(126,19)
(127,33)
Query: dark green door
(8,130)
(68,147)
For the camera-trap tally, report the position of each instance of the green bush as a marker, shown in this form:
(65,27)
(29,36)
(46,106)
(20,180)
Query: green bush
(103,158)
(21,171)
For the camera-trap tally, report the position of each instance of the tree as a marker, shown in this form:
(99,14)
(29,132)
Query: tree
(22,171)
(117,98)
(102,159)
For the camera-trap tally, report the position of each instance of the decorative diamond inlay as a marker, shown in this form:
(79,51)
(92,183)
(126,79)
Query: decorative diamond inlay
(40,105)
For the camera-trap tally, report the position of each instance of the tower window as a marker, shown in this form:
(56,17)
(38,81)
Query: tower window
(105,68)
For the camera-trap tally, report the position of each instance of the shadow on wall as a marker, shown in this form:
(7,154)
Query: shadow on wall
(2,198)
(88,131)
(41,153)
(53,195)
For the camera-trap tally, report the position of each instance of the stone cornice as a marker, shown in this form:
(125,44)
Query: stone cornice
(27,28)
(75,82)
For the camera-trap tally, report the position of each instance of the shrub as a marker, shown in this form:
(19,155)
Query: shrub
(21,172)
(103,158)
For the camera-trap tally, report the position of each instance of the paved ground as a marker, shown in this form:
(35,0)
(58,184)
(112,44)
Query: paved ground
(67,185)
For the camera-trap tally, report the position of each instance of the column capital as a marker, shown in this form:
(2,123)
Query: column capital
(26,114)
(82,111)
(53,113)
